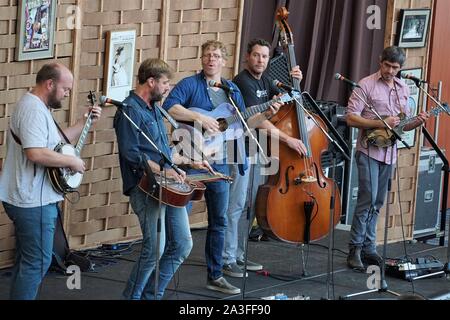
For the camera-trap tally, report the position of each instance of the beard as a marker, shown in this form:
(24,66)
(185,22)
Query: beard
(53,102)
(156,96)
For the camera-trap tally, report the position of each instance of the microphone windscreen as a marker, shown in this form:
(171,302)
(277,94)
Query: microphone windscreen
(102,99)
(337,76)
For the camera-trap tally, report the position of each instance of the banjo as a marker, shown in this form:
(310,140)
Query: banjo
(65,180)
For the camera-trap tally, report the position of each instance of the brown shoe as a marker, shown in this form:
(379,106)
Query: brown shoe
(354,259)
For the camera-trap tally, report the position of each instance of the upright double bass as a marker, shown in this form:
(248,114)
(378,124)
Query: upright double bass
(294,205)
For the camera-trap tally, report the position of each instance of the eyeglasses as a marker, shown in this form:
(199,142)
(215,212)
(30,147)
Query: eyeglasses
(211,56)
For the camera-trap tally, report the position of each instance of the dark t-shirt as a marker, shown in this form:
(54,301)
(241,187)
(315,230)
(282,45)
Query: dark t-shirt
(255,92)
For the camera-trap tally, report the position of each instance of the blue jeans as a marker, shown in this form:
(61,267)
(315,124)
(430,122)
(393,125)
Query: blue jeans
(34,228)
(237,222)
(141,284)
(216,196)
(373,177)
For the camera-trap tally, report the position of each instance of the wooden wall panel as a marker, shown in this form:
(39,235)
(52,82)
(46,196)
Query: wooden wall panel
(169,29)
(193,22)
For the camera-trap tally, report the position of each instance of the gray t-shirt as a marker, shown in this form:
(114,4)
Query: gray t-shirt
(24,183)
(217,98)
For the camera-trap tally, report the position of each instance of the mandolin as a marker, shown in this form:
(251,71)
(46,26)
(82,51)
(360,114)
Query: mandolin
(382,137)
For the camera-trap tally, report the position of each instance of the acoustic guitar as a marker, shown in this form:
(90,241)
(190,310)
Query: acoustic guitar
(178,194)
(230,126)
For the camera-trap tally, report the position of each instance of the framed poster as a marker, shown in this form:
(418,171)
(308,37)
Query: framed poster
(413,104)
(35,29)
(413,28)
(119,63)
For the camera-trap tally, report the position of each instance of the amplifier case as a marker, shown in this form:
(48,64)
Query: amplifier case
(428,196)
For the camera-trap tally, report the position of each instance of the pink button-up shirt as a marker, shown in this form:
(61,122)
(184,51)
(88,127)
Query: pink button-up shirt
(384,100)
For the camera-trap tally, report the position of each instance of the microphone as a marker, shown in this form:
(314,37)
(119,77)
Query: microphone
(224,87)
(411,77)
(119,104)
(283,86)
(338,76)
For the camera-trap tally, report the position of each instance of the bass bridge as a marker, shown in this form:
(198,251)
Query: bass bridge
(303,178)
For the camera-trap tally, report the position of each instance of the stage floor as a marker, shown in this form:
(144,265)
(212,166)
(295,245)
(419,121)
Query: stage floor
(282,263)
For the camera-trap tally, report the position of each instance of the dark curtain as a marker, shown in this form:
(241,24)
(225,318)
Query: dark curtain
(330,36)
(258,22)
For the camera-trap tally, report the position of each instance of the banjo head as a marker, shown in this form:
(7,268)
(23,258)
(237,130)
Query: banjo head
(66,179)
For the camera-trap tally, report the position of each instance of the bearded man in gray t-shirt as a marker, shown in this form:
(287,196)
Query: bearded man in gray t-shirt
(25,190)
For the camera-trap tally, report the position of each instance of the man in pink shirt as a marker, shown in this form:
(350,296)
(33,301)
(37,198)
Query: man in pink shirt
(388,95)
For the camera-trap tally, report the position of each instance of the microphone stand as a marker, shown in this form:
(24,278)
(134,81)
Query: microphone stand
(431,97)
(383,286)
(164,160)
(333,174)
(247,129)
(342,144)
(266,161)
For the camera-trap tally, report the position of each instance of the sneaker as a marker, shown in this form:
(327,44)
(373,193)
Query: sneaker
(222,285)
(233,270)
(251,266)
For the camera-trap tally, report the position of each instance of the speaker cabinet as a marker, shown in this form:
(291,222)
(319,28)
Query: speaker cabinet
(279,70)
(428,197)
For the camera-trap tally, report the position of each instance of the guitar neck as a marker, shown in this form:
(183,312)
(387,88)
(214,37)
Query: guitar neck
(433,112)
(204,177)
(250,112)
(84,134)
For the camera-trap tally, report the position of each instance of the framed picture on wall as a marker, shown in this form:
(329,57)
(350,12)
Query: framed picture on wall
(414,25)
(119,63)
(35,29)
(413,104)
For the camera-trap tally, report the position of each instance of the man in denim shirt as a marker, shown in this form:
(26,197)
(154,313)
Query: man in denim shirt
(134,150)
(191,92)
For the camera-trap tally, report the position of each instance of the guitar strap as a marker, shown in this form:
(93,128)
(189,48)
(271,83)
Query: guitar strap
(398,98)
(62,132)
(15,137)
(17,140)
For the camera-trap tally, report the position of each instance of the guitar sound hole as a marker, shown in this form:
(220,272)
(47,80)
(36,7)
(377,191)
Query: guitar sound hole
(223,125)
